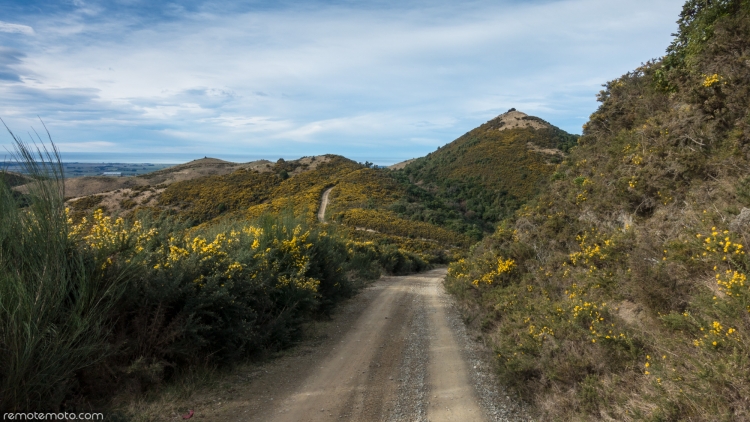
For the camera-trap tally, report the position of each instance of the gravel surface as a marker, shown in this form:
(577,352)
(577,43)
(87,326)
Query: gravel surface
(496,403)
(411,401)
(398,351)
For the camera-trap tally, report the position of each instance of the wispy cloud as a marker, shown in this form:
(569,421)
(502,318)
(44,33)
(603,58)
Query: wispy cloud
(91,146)
(14,28)
(318,77)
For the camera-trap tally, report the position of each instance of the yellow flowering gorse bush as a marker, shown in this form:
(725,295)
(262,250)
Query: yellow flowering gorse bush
(711,80)
(103,235)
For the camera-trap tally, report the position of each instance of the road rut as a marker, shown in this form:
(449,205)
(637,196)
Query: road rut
(397,352)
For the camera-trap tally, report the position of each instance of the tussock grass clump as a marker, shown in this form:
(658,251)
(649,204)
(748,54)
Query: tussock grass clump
(55,300)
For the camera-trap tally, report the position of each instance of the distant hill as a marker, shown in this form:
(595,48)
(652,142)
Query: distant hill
(124,194)
(402,164)
(14,179)
(486,174)
(91,185)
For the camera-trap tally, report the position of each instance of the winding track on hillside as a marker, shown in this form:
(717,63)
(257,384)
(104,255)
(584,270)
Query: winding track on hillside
(323,205)
(398,351)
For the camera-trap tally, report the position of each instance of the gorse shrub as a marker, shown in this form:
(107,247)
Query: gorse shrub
(628,297)
(222,292)
(421,251)
(230,291)
(388,223)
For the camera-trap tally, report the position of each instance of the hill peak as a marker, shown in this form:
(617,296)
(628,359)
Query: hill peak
(514,119)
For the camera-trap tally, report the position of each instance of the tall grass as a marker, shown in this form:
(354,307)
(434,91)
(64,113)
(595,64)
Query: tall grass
(52,303)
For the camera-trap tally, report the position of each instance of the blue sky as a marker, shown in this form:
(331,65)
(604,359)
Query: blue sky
(380,81)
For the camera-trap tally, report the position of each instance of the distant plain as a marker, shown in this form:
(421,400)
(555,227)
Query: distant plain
(75,169)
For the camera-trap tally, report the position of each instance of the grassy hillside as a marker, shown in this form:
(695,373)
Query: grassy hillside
(252,192)
(483,176)
(249,192)
(621,291)
(303,191)
(360,201)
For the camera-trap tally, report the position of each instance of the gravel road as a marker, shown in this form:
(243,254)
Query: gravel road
(397,352)
(323,205)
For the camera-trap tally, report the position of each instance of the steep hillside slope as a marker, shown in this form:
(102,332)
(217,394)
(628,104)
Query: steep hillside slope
(485,174)
(621,293)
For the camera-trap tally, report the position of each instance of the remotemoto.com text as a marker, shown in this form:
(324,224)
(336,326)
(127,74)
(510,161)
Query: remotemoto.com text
(62,416)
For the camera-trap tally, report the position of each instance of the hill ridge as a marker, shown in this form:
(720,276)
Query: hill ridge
(514,119)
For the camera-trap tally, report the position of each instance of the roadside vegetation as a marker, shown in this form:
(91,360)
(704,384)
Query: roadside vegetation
(386,222)
(621,292)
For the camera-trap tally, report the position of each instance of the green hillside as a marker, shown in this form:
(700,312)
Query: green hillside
(485,175)
(250,193)
(358,204)
(620,292)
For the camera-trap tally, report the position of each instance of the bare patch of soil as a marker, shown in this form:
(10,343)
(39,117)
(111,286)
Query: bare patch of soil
(399,166)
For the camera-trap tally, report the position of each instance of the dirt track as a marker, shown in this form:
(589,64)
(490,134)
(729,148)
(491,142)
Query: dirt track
(323,205)
(396,352)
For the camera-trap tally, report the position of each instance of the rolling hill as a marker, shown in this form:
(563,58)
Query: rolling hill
(484,175)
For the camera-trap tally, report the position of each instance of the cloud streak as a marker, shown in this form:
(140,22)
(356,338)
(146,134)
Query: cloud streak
(13,28)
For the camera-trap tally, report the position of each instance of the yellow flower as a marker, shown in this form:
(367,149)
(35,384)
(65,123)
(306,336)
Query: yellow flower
(710,80)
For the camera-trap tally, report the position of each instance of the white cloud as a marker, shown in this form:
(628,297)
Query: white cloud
(93,146)
(258,124)
(15,28)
